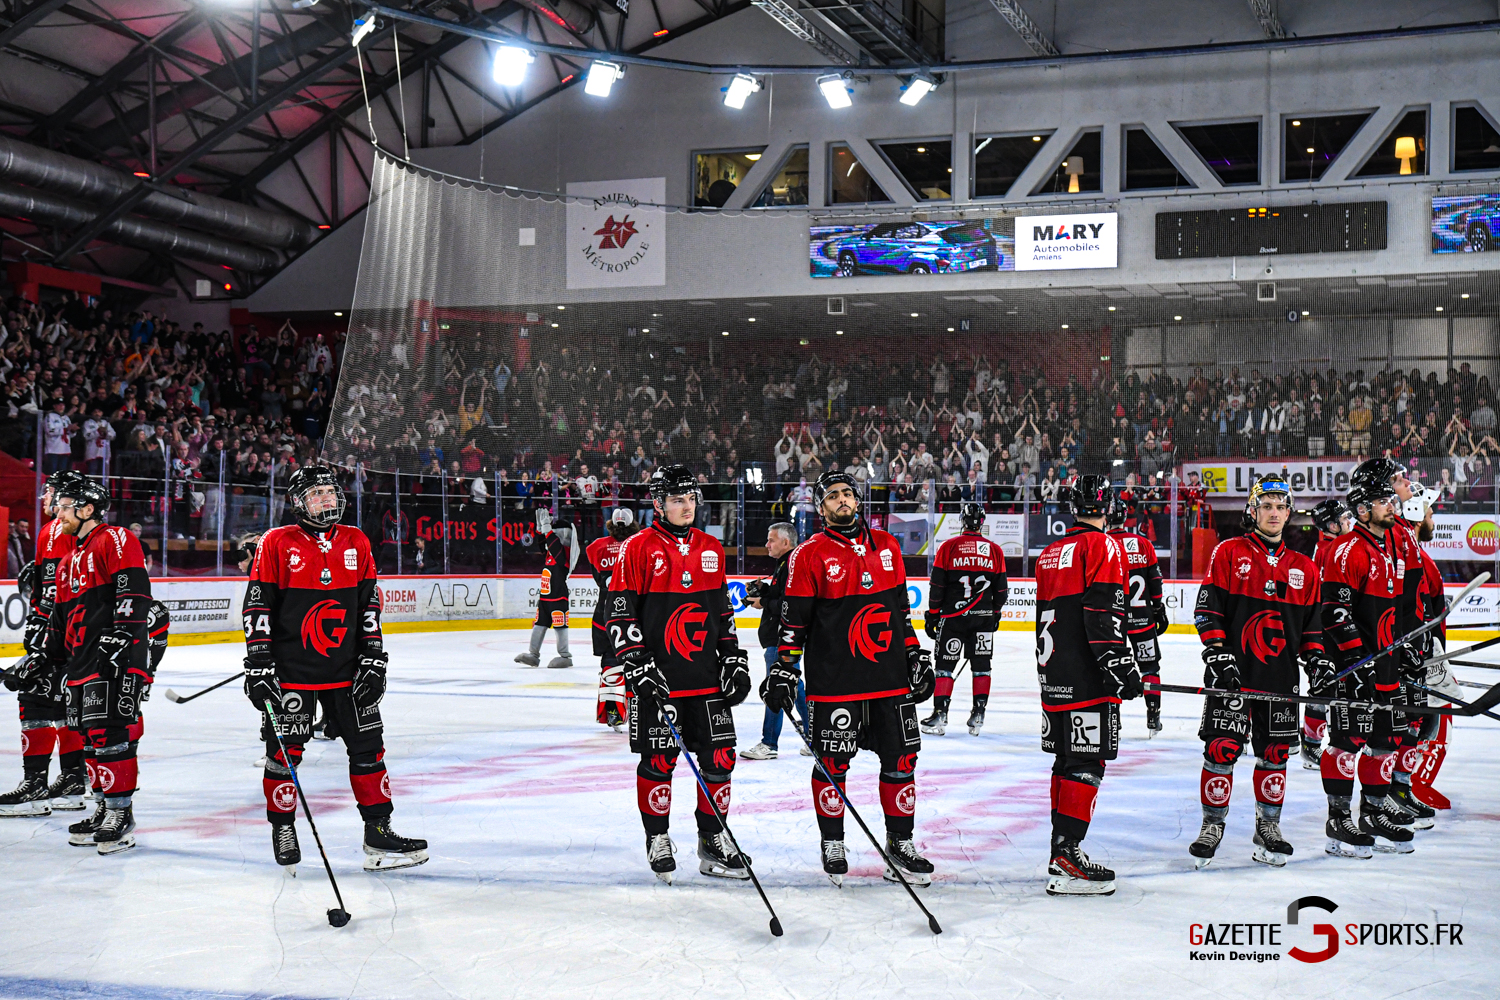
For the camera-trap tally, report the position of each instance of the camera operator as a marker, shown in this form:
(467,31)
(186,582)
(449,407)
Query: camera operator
(781,539)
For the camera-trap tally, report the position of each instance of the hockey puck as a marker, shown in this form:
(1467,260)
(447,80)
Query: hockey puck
(338,917)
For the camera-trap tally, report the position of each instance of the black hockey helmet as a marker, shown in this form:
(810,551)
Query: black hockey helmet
(57,480)
(828,481)
(1368,492)
(673,481)
(1093,496)
(1329,512)
(971,515)
(84,491)
(303,482)
(26,581)
(1375,470)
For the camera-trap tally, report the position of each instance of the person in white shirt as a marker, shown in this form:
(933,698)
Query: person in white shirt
(57,435)
(98,434)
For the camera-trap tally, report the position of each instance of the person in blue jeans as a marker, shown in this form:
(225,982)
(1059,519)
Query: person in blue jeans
(781,539)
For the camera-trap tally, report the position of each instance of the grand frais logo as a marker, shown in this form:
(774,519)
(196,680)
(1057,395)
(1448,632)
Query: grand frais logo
(1242,942)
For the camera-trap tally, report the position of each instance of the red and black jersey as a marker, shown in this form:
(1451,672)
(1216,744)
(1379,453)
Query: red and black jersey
(846,608)
(668,595)
(603,553)
(102,586)
(1431,598)
(1326,545)
(1360,591)
(1401,542)
(1260,599)
(1080,617)
(968,580)
(555,568)
(1142,582)
(313,605)
(52,546)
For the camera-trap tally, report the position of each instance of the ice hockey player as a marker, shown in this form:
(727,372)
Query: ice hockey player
(312,633)
(1257,614)
(1427,735)
(43,698)
(672,626)
(603,553)
(1145,611)
(1084,667)
(560,551)
(1360,590)
(846,608)
(1332,519)
(964,597)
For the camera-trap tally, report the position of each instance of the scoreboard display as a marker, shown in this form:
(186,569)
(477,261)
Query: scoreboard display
(1262,232)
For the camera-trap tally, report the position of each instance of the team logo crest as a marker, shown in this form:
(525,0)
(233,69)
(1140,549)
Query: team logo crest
(1273,787)
(840,719)
(861,641)
(829,803)
(659,801)
(906,800)
(1242,569)
(835,572)
(316,635)
(680,641)
(325,577)
(1216,790)
(284,797)
(1385,629)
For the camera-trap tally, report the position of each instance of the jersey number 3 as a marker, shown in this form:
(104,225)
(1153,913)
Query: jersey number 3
(1044,638)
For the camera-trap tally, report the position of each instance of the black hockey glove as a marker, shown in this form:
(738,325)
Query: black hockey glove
(930,624)
(1159,616)
(28,675)
(1413,665)
(644,677)
(1221,669)
(734,676)
(35,634)
(1122,670)
(1320,675)
(261,683)
(369,679)
(779,689)
(919,673)
(114,653)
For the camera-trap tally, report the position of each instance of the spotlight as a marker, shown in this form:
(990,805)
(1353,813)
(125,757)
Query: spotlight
(1177,317)
(509,69)
(739,89)
(602,76)
(917,88)
(362,27)
(835,90)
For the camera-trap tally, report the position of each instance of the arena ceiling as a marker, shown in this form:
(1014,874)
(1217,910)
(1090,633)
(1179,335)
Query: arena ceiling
(155,142)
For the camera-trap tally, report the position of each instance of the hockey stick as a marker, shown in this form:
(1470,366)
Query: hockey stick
(1473,707)
(1487,701)
(176,698)
(1465,650)
(797,725)
(1472,663)
(338,916)
(709,798)
(1422,629)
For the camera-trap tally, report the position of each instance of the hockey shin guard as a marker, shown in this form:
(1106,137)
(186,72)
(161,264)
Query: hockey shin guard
(898,794)
(981,686)
(1270,788)
(69,751)
(1338,767)
(1075,791)
(653,790)
(942,688)
(826,801)
(1215,786)
(1375,771)
(715,773)
(114,765)
(37,740)
(277,784)
(1153,698)
(371,783)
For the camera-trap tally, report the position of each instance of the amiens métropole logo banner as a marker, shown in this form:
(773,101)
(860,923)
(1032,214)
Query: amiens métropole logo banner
(1312,934)
(617,233)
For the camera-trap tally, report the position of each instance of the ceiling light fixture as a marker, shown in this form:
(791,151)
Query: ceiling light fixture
(362,28)
(509,68)
(740,88)
(835,90)
(602,76)
(918,87)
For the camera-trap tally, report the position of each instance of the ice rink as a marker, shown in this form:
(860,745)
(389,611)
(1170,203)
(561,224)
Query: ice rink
(538,884)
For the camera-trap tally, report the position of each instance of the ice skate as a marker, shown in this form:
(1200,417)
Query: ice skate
(67,791)
(1390,838)
(284,844)
(1271,847)
(528,659)
(903,855)
(116,831)
(1207,843)
(761,751)
(1398,812)
(1345,839)
(936,724)
(1153,720)
(718,856)
(1403,795)
(1071,873)
(30,798)
(659,851)
(1312,754)
(976,721)
(81,834)
(559,662)
(386,850)
(835,861)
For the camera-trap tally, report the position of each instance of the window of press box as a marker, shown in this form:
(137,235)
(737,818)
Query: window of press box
(789,186)
(1230,149)
(717,174)
(1079,170)
(1402,151)
(925,165)
(1310,145)
(1147,167)
(848,181)
(999,160)
(1476,141)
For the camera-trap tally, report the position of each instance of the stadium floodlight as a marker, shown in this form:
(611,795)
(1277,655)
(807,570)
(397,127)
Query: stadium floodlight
(362,28)
(602,76)
(835,90)
(510,65)
(917,88)
(739,89)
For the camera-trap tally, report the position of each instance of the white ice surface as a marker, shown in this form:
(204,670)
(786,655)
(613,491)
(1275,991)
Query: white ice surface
(538,884)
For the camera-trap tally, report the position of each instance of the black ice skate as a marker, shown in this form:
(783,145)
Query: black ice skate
(936,724)
(1271,847)
(1390,838)
(1399,814)
(68,790)
(1207,843)
(116,831)
(835,861)
(718,856)
(1422,814)
(284,843)
(1312,754)
(976,720)
(81,834)
(659,851)
(903,855)
(386,850)
(612,717)
(1071,873)
(1153,720)
(1345,839)
(29,799)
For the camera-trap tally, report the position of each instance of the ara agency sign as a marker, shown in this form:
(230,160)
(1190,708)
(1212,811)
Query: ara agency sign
(1067,242)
